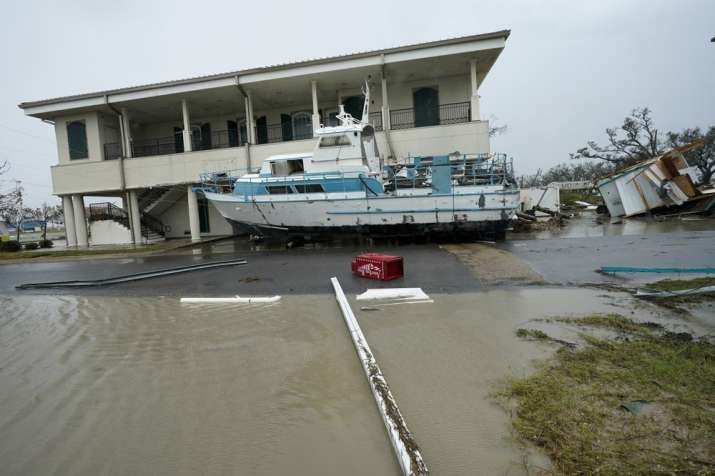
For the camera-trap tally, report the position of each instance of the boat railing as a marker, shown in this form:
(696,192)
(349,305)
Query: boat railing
(412,173)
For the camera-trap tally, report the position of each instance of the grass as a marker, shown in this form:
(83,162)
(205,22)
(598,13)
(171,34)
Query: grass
(21,255)
(572,406)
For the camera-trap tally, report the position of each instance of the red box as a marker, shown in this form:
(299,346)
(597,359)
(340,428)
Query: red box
(378,266)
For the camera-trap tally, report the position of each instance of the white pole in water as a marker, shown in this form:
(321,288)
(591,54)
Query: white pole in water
(406,449)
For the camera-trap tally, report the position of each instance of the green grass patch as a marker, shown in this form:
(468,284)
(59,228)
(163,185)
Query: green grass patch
(532,334)
(39,255)
(576,405)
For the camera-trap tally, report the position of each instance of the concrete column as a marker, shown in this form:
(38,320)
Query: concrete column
(250,124)
(187,126)
(475,91)
(385,106)
(194,224)
(68,211)
(127,138)
(80,224)
(135,224)
(316,113)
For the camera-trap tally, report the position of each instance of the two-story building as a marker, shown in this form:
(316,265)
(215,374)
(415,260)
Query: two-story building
(149,144)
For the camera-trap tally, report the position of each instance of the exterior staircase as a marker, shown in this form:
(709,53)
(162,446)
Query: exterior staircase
(152,228)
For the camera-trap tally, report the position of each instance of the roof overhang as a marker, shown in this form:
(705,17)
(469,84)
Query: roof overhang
(379,58)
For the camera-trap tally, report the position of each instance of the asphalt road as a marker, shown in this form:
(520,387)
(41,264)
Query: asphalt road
(282,271)
(308,270)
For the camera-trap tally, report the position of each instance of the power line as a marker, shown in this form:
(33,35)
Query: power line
(18,131)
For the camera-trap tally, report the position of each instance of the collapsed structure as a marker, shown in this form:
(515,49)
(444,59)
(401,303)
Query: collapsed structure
(654,184)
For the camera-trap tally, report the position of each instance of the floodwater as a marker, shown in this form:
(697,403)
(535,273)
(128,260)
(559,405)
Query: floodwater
(147,386)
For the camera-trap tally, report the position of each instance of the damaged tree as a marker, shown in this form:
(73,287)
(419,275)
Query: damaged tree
(636,140)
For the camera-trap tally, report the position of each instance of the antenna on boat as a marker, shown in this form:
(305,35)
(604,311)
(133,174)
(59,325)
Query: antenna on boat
(366,105)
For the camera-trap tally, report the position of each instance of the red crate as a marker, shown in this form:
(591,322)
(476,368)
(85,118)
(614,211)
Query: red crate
(378,266)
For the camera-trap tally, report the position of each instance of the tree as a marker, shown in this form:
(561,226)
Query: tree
(702,157)
(635,140)
(569,172)
(45,213)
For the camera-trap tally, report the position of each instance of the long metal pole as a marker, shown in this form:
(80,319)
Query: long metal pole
(405,446)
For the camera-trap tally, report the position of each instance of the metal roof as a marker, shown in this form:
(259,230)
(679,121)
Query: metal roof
(264,69)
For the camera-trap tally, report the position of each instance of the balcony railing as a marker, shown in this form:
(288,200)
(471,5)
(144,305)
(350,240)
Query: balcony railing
(112,151)
(376,120)
(453,113)
(407,118)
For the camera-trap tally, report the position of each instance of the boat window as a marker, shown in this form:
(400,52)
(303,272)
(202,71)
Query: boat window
(334,141)
(279,189)
(309,188)
(281,168)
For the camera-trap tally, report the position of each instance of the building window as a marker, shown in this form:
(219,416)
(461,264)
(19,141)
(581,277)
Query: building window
(204,226)
(77,140)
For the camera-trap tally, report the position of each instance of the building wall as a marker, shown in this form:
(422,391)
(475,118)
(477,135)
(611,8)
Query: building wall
(177,218)
(467,138)
(451,89)
(94,141)
(109,232)
(83,176)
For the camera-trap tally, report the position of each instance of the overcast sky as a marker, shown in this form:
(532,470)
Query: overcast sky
(569,70)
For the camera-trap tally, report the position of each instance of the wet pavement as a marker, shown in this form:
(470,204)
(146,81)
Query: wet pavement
(575,260)
(279,271)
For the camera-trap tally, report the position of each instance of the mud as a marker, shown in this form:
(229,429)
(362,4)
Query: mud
(493,266)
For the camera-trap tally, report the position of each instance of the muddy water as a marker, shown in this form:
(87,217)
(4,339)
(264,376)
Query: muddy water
(111,385)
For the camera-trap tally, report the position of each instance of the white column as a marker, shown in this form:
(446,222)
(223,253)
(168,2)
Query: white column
(135,224)
(475,90)
(316,114)
(68,212)
(194,224)
(80,224)
(250,125)
(187,125)
(127,138)
(385,106)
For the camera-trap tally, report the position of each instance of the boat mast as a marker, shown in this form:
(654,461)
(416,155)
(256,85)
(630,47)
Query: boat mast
(366,105)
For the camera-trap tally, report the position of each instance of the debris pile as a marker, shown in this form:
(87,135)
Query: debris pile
(664,184)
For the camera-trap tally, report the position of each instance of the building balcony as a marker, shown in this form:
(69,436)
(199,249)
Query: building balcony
(404,118)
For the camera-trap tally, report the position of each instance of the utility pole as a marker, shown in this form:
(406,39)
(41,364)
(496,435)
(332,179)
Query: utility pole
(18,220)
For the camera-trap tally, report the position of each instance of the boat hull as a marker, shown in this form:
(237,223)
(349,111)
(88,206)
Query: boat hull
(475,212)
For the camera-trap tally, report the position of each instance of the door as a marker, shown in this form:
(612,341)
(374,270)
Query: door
(353,105)
(302,125)
(261,130)
(205,136)
(178,140)
(242,132)
(286,127)
(232,127)
(426,105)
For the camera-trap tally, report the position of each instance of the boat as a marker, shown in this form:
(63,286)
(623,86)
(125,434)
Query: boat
(345,186)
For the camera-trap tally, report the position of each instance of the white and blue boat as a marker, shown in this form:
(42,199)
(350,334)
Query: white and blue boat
(344,186)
